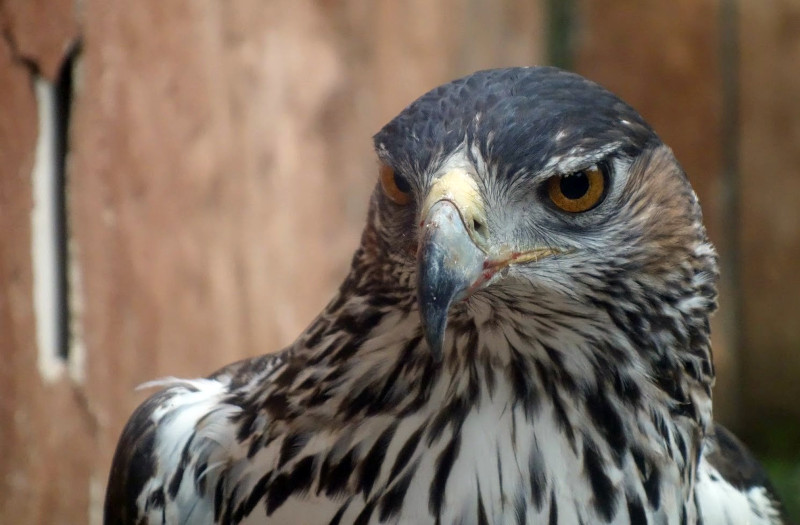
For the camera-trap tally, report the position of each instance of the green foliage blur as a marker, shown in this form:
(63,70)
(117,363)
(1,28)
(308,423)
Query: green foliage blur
(778,447)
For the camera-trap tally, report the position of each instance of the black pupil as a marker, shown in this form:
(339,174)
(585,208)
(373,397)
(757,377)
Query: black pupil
(574,186)
(401,183)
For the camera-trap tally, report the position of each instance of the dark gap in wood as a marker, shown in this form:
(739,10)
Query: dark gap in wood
(63,88)
(560,29)
(731,187)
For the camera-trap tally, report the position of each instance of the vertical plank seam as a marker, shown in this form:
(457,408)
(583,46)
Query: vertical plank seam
(560,33)
(731,183)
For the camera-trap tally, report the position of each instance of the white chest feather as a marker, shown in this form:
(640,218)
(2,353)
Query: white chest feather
(497,464)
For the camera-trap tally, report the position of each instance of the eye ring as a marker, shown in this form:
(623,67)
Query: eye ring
(577,192)
(395,186)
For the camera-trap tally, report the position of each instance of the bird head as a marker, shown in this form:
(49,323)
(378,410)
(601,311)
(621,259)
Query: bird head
(534,185)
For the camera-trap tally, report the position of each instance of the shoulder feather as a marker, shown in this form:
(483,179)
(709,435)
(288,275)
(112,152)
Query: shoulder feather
(732,486)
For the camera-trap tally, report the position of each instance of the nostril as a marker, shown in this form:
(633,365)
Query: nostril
(478,227)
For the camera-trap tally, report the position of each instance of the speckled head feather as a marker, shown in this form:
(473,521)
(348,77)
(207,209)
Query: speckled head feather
(519,118)
(523,337)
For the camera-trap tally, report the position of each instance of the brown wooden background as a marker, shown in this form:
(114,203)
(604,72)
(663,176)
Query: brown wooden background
(218,162)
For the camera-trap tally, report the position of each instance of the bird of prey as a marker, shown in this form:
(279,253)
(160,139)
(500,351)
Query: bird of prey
(523,337)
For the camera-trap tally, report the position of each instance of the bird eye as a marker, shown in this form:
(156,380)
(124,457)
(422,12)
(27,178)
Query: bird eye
(395,186)
(579,191)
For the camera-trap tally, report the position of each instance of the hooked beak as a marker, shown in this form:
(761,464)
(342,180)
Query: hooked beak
(454,259)
(448,262)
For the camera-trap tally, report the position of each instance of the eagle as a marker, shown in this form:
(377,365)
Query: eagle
(523,337)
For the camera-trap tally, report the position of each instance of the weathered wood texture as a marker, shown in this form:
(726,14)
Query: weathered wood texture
(46,432)
(219,168)
(769,225)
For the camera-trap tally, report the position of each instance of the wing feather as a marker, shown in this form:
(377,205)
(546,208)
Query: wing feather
(175,446)
(732,486)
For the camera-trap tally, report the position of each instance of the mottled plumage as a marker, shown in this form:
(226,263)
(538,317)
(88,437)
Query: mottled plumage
(491,357)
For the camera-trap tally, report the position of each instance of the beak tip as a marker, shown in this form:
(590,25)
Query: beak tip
(435,343)
(434,324)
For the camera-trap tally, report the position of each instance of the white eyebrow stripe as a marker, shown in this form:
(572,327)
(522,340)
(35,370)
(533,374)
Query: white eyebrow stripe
(578,158)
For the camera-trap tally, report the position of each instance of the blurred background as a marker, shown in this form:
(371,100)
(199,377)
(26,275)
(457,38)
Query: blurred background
(182,184)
